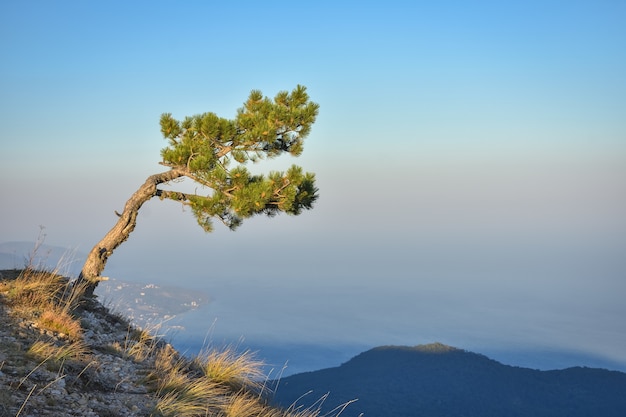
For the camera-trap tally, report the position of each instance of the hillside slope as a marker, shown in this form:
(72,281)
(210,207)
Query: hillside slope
(437,380)
(63,355)
(65,376)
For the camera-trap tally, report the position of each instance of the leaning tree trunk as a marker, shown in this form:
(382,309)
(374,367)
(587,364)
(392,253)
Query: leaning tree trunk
(90,275)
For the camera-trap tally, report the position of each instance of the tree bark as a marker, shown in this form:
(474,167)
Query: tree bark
(91,272)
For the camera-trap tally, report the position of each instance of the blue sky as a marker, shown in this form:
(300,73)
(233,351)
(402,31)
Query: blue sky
(471,160)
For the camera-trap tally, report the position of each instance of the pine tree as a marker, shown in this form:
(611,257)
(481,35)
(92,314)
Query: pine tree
(213,152)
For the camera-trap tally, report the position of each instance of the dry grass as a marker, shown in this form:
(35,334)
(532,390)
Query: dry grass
(170,371)
(141,344)
(219,383)
(32,289)
(245,405)
(234,370)
(180,391)
(47,298)
(195,397)
(60,321)
(54,355)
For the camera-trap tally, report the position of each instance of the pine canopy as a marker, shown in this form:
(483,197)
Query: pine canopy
(213,151)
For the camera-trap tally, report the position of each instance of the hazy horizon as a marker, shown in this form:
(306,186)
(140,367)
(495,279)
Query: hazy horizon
(301,340)
(471,161)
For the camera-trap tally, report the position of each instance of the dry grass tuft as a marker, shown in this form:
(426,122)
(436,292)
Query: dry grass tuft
(141,343)
(32,289)
(170,372)
(54,355)
(234,370)
(184,404)
(244,405)
(47,298)
(60,321)
(180,391)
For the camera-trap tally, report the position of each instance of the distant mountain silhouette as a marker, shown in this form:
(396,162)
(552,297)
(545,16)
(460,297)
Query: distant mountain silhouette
(438,380)
(17,255)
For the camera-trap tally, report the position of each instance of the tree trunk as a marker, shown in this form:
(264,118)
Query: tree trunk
(97,258)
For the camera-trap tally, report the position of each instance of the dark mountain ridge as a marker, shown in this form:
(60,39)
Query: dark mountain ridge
(438,380)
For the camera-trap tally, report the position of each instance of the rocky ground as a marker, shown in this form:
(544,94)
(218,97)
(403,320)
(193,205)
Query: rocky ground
(105,381)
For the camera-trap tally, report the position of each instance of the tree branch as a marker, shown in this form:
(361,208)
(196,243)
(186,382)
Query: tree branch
(173,195)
